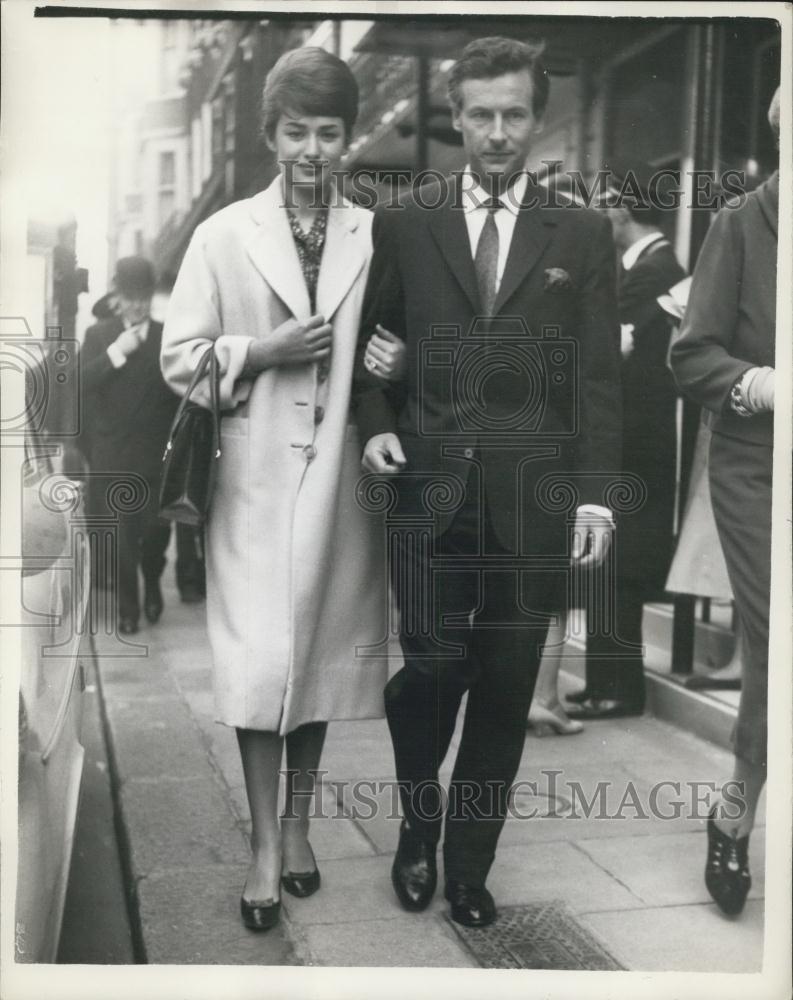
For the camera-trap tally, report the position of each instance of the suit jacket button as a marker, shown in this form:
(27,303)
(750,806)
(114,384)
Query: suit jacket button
(319,414)
(310,452)
(469,453)
(322,372)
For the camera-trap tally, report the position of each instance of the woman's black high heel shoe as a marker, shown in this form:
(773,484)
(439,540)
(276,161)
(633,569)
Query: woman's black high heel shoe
(260,915)
(727,868)
(302,884)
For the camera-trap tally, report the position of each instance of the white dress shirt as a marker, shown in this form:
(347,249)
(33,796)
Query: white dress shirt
(636,249)
(474,201)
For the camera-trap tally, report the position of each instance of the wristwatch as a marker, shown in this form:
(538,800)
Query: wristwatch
(737,401)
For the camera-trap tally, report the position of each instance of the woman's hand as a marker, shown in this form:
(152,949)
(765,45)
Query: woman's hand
(292,343)
(385,355)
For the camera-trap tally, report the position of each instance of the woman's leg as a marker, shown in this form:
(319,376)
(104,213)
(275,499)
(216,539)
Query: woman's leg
(748,780)
(303,751)
(546,714)
(261,754)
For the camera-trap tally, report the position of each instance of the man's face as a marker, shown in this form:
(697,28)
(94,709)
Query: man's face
(134,309)
(497,123)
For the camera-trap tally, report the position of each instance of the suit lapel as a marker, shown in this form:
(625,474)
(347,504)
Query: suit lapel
(448,228)
(533,230)
(272,250)
(342,260)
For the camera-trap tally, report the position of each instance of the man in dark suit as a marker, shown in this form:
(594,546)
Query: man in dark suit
(506,420)
(127,414)
(645,541)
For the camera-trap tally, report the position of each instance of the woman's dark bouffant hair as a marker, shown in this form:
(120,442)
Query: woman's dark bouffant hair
(309,81)
(486,58)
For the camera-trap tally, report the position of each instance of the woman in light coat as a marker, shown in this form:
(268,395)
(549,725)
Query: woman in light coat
(296,577)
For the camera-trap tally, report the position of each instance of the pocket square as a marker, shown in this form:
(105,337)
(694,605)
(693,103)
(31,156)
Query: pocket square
(557,279)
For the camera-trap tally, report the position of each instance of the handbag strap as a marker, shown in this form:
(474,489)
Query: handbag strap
(208,359)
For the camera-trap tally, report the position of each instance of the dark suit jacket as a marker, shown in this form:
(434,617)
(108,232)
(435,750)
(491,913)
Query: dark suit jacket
(649,396)
(536,388)
(127,411)
(730,321)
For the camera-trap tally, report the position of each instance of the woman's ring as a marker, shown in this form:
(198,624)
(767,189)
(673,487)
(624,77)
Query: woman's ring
(371,364)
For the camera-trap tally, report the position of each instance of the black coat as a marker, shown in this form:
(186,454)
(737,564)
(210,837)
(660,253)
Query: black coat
(127,411)
(538,394)
(649,397)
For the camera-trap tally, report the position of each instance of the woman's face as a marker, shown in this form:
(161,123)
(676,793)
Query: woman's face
(309,148)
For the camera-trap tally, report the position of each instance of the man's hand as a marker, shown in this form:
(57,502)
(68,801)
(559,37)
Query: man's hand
(383,454)
(626,339)
(128,341)
(591,539)
(292,343)
(385,355)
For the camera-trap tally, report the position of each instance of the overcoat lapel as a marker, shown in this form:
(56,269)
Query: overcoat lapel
(342,260)
(534,228)
(272,250)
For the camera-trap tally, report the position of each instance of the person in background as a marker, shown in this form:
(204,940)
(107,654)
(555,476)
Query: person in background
(190,568)
(127,416)
(724,360)
(644,543)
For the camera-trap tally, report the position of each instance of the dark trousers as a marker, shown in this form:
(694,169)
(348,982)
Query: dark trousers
(496,665)
(614,661)
(190,569)
(740,488)
(142,540)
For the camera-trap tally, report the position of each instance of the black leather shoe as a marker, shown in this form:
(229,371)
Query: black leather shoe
(127,626)
(260,915)
(604,708)
(727,868)
(414,873)
(152,603)
(471,907)
(302,884)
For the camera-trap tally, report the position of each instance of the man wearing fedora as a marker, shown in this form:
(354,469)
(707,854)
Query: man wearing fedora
(127,414)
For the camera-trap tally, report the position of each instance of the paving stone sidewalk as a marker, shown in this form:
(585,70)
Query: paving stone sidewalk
(631,885)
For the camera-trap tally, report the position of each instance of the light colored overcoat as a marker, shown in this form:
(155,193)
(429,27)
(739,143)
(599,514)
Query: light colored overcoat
(296,578)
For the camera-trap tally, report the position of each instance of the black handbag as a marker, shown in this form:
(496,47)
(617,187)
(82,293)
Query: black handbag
(191,455)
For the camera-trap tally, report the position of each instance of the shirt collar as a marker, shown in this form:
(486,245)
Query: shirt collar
(475,196)
(634,251)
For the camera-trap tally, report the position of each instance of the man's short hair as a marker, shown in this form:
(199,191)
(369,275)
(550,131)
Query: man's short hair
(309,81)
(487,58)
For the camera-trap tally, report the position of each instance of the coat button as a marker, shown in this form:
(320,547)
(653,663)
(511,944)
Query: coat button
(319,414)
(469,453)
(322,372)
(310,452)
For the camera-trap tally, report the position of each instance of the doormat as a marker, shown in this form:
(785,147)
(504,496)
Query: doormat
(536,936)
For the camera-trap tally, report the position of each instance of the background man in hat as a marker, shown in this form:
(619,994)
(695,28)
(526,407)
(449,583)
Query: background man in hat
(645,542)
(127,413)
